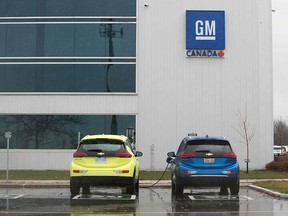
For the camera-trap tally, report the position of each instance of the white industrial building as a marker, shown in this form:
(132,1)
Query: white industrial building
(179,88)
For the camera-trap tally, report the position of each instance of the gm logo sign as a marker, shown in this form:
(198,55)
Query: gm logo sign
(205,30)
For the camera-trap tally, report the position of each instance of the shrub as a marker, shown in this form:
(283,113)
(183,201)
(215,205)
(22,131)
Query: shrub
(279,164)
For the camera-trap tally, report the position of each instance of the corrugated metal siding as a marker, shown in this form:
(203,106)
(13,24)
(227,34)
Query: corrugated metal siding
(178,95)
(69,103)
(36,159)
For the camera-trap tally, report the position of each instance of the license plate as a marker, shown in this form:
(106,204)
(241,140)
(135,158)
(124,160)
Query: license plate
(209,160)
(100,160)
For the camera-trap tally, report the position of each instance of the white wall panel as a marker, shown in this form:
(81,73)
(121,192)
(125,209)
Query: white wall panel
(68,103)
(36,159)
(178,95)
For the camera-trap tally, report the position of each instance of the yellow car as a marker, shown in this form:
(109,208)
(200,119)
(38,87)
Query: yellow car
(104,160)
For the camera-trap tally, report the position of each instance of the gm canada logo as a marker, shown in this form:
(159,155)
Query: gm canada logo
(205,33)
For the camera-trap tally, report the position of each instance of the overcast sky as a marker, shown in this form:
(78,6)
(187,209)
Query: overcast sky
(280,58)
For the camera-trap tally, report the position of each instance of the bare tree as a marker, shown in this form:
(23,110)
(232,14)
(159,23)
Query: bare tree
(246,135)
(36,126)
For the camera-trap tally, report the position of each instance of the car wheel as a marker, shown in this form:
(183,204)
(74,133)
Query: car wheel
(131,189)
(74,188)
(86,189)
(173,187)
(223,190)
(179,188)
(137,186)
(234,189)
(173,184)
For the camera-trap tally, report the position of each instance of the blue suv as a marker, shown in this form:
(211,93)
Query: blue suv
(203,161)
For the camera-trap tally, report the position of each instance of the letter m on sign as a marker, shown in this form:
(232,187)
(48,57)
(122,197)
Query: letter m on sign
(205,30)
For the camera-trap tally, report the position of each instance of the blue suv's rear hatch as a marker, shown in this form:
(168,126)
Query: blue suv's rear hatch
(208,154)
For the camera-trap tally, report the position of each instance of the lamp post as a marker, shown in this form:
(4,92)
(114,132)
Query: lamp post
(8,136)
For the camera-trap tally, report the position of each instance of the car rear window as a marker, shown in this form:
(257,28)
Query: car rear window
(201,147)
(108,146)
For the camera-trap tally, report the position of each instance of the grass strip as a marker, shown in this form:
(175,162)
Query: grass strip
(279,186)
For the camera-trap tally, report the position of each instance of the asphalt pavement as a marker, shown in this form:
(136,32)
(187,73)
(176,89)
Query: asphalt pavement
(142,183)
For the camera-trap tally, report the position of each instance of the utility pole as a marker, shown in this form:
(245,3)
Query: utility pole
(110,33)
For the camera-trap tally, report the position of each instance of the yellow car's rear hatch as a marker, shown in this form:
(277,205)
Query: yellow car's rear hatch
(102,153)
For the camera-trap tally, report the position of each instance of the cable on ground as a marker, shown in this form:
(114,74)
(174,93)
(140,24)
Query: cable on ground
(158,179)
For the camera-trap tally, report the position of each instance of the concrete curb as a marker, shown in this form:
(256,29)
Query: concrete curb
(269,192)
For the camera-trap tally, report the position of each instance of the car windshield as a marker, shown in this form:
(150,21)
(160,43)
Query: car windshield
(109,146)
(201,147)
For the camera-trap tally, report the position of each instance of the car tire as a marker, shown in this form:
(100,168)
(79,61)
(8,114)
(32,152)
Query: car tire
(86,189)
(137,186)
(173,185)
(179,188)
(74,188)
(234,189)
(223,190)
(131,189)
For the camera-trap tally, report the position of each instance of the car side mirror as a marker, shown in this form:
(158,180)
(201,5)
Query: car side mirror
(171,154)
(138,154)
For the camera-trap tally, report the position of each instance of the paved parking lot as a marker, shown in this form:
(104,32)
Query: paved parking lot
(151,201)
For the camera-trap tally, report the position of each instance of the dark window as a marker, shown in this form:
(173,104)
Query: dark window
(107,146)
(67,8)
(59,131)
(68,78)
(201,147)
(68,40)
(181,147)
(77,50)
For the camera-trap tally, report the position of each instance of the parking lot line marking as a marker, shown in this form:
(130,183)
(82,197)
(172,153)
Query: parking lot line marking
(219,198)
(191,197)
(76,197)
(249,198)
(11,196)
(16,197)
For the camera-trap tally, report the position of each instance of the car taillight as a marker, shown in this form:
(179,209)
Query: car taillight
(123,154)
(230,155)
(121,171)
(80,171)
(79,153)
(187,155)
(232,172)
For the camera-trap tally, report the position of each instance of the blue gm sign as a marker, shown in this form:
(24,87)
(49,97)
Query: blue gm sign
(205,30)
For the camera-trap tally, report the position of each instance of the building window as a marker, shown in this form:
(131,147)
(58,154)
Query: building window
(18,8)
(68,46)
(59,131)
(67,78)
